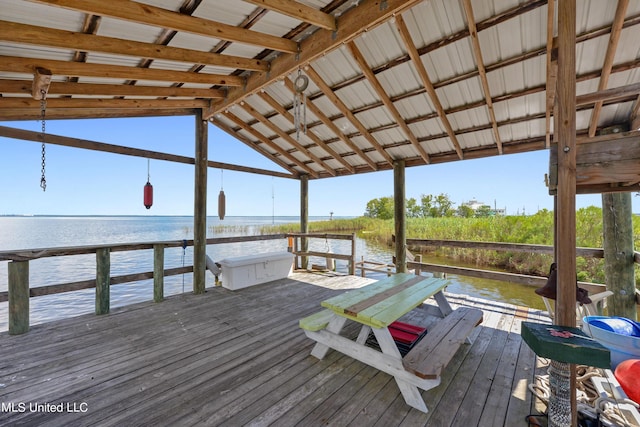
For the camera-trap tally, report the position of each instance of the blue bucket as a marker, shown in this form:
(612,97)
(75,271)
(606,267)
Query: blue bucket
(620,335)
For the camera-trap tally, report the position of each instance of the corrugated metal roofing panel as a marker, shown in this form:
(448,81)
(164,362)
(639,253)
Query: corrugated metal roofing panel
(415,106)
(31,51)
(432,20)
(358,95)
(460,93)
(477,139)
(400,79)
(450,60)
(437,146)
(41,15)
(186,40)
(275,24)
(466,119)
(380,45)
(181,66)
(336,67)
(102,58)
(231,12)
(117,28)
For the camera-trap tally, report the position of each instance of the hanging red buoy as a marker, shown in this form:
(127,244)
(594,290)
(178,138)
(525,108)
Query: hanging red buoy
(148,195)
(222,204)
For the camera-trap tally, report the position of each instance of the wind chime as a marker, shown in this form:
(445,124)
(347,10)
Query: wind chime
(148,188)
(299,103)
(221,199)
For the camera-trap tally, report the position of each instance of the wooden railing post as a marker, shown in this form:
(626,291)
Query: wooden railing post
(418,259)
(103,280)
(352,262)
(158,273)
(18,297)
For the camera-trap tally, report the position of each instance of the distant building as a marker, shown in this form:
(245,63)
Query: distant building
(475,205)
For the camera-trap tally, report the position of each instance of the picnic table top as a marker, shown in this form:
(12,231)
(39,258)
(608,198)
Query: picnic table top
(385,301)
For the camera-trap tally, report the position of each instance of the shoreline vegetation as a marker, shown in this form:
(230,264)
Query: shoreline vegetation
(531,229)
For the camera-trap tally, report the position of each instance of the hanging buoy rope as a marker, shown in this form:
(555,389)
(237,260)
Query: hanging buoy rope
(148,190)
(221,199)
(43,110)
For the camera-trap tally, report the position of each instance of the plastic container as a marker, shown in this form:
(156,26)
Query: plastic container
(615,333)
(243,271)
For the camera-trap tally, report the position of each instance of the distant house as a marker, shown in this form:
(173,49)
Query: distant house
(475,205)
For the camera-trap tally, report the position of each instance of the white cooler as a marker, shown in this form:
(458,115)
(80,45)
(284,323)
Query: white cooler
(243,271)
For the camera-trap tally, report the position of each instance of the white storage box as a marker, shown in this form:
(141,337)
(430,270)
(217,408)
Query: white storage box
(249,270)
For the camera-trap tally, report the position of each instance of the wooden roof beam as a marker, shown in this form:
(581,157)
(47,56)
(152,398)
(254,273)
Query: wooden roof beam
(634,119)
(609,94)
(88,103)
(42,36)
(41,83)
(614,38)
(328,123)
(298,11)
(350,24)
(386,100)
(426,82)
(282,134)
(70,88)
(477,52)
(335,100)
(163,18)
(21,114)
(310,134)
(15,64)
(239,122)
(65,141)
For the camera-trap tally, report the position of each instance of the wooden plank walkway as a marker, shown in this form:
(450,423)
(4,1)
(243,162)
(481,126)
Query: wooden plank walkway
(239,358)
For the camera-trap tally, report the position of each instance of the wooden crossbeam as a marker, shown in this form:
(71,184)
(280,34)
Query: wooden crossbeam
(41,36)
(386,100)
(634,119)
(298,11)
(15,64)
(88,103)
(163,18)
(426,82)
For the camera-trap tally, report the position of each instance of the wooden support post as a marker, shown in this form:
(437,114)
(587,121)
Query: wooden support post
(18,297)
(352,261)
(200,207)
(103,280)
(158,273)
(618,254)
(304,217)
(399,215)
(566,225)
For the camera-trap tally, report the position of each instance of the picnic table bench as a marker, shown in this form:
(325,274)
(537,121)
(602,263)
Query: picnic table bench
(378,305)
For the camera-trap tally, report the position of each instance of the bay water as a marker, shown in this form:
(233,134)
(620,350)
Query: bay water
(39,232)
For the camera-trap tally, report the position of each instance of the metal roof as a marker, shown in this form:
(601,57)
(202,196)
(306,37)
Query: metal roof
(398,79)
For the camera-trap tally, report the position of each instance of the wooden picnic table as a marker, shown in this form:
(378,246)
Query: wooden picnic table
(378,305)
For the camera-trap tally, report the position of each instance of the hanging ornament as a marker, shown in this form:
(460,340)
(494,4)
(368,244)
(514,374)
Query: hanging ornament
(43,109)
(221,199)
(148,190)
(299,104)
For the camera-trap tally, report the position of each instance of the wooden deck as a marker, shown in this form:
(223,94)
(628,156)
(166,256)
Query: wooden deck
(236,358)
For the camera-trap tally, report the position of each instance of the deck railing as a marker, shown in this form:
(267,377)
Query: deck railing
(19,290)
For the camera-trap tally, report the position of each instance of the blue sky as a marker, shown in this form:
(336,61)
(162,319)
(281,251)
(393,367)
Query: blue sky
(84,182)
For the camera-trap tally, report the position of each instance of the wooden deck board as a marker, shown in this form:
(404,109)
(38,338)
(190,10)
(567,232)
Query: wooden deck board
(235,358)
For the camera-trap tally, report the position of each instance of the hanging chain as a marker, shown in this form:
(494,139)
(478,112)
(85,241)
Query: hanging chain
(43,109)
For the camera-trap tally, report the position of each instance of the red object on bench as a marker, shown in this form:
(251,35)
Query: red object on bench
(405,333)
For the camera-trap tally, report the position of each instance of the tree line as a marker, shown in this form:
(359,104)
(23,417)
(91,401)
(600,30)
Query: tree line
(430,206)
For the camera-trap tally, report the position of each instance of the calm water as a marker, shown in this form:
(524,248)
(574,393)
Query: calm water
(45,232)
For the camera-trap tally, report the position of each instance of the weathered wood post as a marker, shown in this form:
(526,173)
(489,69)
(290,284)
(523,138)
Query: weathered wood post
(399,215)
(200,207)
(103,280)
(304,217)
(158,273)
(617,230)
(352,261)
(18,297)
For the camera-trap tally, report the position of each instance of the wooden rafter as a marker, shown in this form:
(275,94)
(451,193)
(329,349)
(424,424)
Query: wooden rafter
(65,88)
(84,103)
(29,34)
(386,100)
(267,142)
(13,114)
(614,38)
(477,52)
(163,18)
(367,15)
(309,134)
(426,82)
(634,119)
(552,72)
(16,64)
(609,94)
(282,134)
(90,26)
(298,11)
(339,134)
(254,146)
(340,105)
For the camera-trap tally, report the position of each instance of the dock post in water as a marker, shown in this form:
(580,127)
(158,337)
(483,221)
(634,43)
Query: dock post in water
(103,280)
(158,273)
(18,297)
